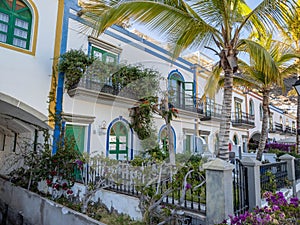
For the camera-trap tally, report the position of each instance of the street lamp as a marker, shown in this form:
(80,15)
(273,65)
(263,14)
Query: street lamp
(297,88)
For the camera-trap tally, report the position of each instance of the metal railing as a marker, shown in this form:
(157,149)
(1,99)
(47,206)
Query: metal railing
(273,176)
(242,118)
(209,109)
(297,168)
(182,100)
(290,130)
(240,188)
(127,179)
(278,127)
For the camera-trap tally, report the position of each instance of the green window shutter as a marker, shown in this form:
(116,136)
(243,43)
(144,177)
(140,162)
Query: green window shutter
(15,23)
(188,93)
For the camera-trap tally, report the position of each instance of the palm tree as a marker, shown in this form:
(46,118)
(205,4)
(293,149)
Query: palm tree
(270,62)
(194,24)
(291,34)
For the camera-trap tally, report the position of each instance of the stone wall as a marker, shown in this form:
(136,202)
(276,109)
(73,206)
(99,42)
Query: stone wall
(21,207)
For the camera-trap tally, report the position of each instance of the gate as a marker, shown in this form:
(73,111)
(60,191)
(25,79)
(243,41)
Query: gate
(240,188)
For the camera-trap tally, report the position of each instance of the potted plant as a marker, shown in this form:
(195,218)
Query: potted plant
(73,64)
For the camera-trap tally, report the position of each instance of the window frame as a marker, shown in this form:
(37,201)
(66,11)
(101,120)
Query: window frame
(13,16)
(117,151)
(104,54)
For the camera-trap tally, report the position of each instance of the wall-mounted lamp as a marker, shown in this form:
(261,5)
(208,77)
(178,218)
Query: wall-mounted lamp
(102,128)
(103,124)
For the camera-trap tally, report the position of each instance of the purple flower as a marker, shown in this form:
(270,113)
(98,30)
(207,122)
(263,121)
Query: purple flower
(282,215)
(294,201)
(188,186)
(79,163)
(275,208)
(268,218)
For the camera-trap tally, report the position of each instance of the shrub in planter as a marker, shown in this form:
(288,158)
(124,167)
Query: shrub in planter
(74,64)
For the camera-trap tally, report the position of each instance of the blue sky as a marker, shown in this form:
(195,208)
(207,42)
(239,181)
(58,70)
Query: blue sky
(251,3)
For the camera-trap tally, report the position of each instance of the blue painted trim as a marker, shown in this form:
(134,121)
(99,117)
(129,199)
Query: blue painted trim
(88,145)
(119,119)
(276,109)
(174,135)
(89,49)
(138,46)
(150,44)
(177,72)
(60,84)
(194,85)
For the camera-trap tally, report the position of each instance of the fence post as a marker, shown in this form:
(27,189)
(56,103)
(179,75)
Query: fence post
(290,170)
(219,194)
(254,189)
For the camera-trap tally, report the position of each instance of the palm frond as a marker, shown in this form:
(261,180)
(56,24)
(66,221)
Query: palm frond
(269,14)
(290,70)
(214,82)
(264,63)
(173,19)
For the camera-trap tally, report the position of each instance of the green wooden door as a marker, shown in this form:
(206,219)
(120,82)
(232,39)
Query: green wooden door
(76,134)
(118,142)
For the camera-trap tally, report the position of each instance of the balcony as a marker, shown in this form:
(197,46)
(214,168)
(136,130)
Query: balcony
(242,120)
(290,130)
(95,84)
(209,111)
(183,101)
(278,128)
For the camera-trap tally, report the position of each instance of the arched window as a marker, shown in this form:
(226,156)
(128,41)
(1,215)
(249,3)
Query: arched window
(176,89)
(251,108)
(15,23)
(235,140)
(118,141)
(164,139)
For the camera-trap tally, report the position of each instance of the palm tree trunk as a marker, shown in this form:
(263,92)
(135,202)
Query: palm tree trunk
(264,126)
(298,126)
(226,116)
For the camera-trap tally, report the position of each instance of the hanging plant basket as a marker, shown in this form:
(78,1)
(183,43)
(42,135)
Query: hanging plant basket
(73,64)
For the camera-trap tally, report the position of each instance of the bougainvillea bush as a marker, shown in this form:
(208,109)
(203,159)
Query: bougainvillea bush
(280,146)
(278,211)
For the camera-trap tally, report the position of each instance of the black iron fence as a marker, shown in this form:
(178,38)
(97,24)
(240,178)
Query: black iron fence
(273,176)
(134,181)
(297,168)
(240,188)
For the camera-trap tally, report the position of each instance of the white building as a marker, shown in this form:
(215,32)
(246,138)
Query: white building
(99,120)
(27,44)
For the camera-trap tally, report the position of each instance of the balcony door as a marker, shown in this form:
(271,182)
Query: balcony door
(238,110)
(176,90)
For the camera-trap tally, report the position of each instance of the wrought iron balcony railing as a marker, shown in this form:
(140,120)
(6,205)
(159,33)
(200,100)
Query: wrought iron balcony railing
(242,119)
(278,127)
